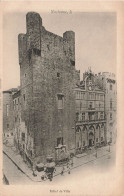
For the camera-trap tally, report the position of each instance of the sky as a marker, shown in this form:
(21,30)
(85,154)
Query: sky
(95,40)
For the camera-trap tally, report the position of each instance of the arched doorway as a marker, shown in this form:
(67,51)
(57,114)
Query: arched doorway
(91,136)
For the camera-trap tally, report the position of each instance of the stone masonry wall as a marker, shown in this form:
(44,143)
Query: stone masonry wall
(49,65)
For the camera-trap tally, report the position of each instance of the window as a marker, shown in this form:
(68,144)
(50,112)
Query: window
(37,52)
(83,143)
(23,136)
(7,126)
(110,86)
(101,138)
(82,95)
(96,139)
(60,101)
(48,47)
(24,97)
(83,116)
(7,109)
(15,104)
(90,117)
(101,97)
(72,63)
(11,134)
(96,115)
(110,116)
(90,105)
(77,116)
(110,104)
(58,75)
(101,115)
(97,96)
(91,96)
(60,141)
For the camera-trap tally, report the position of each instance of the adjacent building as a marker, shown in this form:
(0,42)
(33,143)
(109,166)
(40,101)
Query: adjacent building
(8,117)
(110,88)
(90,113)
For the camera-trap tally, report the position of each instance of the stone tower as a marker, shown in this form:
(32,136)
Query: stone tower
(48,77)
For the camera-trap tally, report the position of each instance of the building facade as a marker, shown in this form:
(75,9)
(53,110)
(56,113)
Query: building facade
(8,116)
(110,88)
(90,113)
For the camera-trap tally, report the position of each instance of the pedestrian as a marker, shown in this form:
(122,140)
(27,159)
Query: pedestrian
(68,169)
(62,171)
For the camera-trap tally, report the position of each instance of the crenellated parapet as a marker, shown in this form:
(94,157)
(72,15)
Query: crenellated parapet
(69,36)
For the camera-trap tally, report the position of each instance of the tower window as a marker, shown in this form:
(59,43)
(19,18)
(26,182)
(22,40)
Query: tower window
(7,109)
(59,141)
(24,97)
(60,101)
(58,74)
(110,86)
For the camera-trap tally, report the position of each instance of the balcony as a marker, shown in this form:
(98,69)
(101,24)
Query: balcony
(90,121)
(90,108)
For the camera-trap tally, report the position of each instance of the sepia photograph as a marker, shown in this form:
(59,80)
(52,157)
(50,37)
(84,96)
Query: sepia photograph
(59,97)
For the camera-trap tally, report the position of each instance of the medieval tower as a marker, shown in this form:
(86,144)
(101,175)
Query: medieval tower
(47,78)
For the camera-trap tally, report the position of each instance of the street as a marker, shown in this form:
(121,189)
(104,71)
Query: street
(12,173)
(101,164)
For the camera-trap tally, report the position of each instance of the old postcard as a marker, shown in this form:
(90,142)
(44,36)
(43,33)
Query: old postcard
(61,98)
